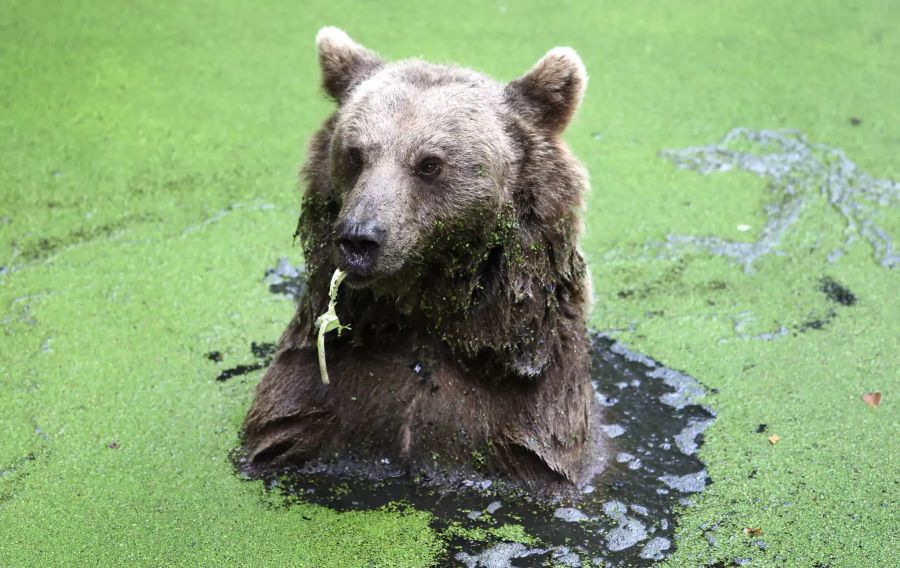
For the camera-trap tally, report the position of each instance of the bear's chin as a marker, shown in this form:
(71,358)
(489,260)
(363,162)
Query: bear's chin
(386,278)
(357,280)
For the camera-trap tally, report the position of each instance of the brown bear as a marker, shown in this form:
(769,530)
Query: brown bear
(454,208)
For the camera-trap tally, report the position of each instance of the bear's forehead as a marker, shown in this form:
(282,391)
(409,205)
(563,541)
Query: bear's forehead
(420,77)
(410,96)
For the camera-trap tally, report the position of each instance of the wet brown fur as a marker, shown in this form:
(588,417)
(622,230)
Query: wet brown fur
(470,349)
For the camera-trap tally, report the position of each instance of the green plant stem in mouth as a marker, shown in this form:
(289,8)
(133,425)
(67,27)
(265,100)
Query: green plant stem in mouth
(329,321)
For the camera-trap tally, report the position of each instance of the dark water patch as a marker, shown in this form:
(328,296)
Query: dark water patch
(262,351)
(6,470)
(625,516)
(739,561)
(14,473)
(836,292)
(42,247)
(816,323)
(833,291)
(13,476)
(239,370)
(286,279)
(670,278)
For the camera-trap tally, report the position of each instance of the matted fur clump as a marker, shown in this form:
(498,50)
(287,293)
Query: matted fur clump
(453,205)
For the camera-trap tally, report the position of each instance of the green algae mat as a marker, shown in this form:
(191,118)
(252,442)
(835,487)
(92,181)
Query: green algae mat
(742,228)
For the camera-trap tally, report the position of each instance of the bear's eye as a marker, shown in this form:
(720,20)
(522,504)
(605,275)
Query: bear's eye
(429,168)
(354,159)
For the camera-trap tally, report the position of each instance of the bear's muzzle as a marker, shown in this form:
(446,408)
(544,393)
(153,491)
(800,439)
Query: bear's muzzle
(358,244)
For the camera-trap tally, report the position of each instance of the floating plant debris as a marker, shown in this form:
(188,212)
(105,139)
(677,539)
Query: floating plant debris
(873,399)
(286,279)
(752,531)
(837,292)
(624,517)
(329,321)
(263,353)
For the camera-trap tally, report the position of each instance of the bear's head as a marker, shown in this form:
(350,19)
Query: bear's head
(448,197)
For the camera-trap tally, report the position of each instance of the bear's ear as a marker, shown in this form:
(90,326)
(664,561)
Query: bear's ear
(550,93)
(344,62)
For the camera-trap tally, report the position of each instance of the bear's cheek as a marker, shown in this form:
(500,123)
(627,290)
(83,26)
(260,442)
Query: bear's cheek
(462,199)
(396,254)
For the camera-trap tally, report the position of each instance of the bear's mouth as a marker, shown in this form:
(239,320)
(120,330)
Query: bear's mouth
(358,280)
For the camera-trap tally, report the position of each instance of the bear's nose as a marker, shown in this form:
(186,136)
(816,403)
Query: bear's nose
(358,244)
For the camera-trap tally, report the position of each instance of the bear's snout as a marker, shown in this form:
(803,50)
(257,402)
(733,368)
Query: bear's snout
(358,244)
